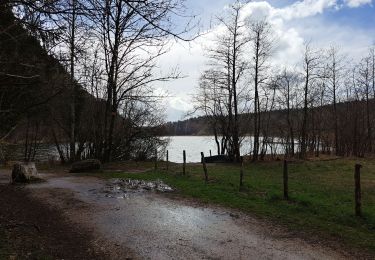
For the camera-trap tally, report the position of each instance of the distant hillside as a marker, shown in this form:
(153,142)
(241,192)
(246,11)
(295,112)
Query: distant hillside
(201,125)
(191,126)
(34,86)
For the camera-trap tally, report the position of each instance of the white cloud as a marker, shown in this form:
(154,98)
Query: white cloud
(323,35)
(357,3)
(306,8)
(292,25)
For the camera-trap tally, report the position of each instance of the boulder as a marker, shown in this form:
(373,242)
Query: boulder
(85,166)
(23,172)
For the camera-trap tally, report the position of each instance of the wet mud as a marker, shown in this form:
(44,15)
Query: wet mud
(125,188)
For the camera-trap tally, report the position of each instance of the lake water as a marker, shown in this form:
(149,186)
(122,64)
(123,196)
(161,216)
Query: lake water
(194,145)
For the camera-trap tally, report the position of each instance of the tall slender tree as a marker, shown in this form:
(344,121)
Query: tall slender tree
(310,66)
(261,41)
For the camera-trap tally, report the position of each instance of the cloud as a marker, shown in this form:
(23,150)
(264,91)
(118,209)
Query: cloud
(292,24)
(302,9)
(357,3)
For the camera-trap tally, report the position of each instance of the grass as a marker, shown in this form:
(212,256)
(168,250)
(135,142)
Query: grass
(321,195)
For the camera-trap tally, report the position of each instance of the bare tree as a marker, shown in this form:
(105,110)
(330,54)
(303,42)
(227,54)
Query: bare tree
(236,40)
(364,82)
(261,41)
(287,83)
(310,66)
(227,60)
(335,69)
(130,47)
(212,100)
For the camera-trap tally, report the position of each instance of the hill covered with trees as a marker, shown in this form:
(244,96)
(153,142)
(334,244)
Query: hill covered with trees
(74,74)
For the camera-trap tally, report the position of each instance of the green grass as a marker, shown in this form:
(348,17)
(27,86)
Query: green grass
(321,195)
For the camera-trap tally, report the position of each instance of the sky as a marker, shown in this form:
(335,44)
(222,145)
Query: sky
(348,24)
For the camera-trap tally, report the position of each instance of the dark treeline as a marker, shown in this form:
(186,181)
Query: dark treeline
(326,99)
(79,74)
(191,126)
(279,126)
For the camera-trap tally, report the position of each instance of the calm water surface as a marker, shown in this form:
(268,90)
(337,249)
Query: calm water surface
(194,145)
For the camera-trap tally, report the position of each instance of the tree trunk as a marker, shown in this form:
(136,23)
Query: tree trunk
(256,104)
(72,143)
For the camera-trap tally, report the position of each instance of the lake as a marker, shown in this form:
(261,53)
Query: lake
(193,145)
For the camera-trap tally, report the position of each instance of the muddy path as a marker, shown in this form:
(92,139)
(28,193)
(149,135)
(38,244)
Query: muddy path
(150,225)
(31,228)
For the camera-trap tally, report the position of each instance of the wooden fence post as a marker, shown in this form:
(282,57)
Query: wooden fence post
(285,177)
(357,179)
(241,174)
(167,160)
(204,167)
(184,163)
(210,153)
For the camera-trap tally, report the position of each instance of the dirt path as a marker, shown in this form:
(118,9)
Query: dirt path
(153,226)
(31,228)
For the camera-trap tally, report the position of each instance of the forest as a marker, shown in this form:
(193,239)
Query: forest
(80,74)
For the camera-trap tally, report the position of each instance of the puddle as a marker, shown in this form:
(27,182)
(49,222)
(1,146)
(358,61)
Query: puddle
(122,188)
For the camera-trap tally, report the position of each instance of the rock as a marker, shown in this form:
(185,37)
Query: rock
(23,172)
(85,166)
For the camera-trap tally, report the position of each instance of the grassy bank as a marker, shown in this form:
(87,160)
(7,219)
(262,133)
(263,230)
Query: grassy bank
(321,195)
